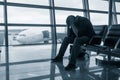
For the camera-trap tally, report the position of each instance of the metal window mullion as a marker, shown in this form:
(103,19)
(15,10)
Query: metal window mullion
(30,25)
(53,33)
(114,13)
(110,13)
(6,40)
(1,3)
(86,9)
(118,13)
(68,9)
(98,11)
(53,28)
(27,5)
(53,21)
(5,21)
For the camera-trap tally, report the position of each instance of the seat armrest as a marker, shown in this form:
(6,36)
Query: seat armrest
(95,40)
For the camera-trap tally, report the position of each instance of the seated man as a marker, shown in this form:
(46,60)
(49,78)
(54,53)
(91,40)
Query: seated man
(82,31)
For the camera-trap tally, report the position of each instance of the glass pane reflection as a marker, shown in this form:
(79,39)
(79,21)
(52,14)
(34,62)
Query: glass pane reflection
(28,15)
(118,7)
(1,14)
(61,33)
(68,3)
(62,15)
(99,19)
(118,18)
(98,5)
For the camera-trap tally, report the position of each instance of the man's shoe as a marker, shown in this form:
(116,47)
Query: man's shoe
(70,67)
(57,59)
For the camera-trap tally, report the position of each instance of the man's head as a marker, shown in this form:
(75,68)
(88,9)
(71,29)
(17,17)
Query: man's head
(70,20)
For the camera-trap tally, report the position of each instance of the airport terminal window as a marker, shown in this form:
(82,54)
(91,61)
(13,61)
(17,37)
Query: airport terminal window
(99,19)
(2,36)
(62,15)
(38,2)
(118,18)
(2,28)
(98,5)
(29,35)
(118,7)
(61,33)
(30,53)
(1,14)
(68,3)
(28,15)
(30,47)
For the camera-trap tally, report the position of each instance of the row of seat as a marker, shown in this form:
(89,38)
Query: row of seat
(107,43)
(100,31)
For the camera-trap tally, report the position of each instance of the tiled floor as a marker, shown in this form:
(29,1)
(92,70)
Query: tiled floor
(33,63)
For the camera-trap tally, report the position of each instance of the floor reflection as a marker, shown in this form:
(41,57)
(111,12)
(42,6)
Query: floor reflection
(43,69)
(84,72)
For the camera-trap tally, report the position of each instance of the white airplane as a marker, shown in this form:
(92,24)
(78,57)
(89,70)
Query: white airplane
(31,36)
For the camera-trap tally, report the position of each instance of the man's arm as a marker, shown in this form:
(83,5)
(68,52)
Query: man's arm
(75,30)
(68,31)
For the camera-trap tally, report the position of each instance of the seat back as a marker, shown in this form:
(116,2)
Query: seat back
(112,36)
(100,31)
(117,46)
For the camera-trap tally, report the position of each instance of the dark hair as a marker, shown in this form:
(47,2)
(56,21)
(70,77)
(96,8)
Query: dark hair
(70,19)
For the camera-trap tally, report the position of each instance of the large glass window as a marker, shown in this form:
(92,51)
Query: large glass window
(61,33)
(2,53)
(99,19)
(30,47)
(69,3)
(1,14)
(28,15)
(29,41)
(98,5)
(118,18)
(30,53)
(2,36)
(62,15)
(29,35)
(2,42)
(2,60)
(39,2)
(118,7)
